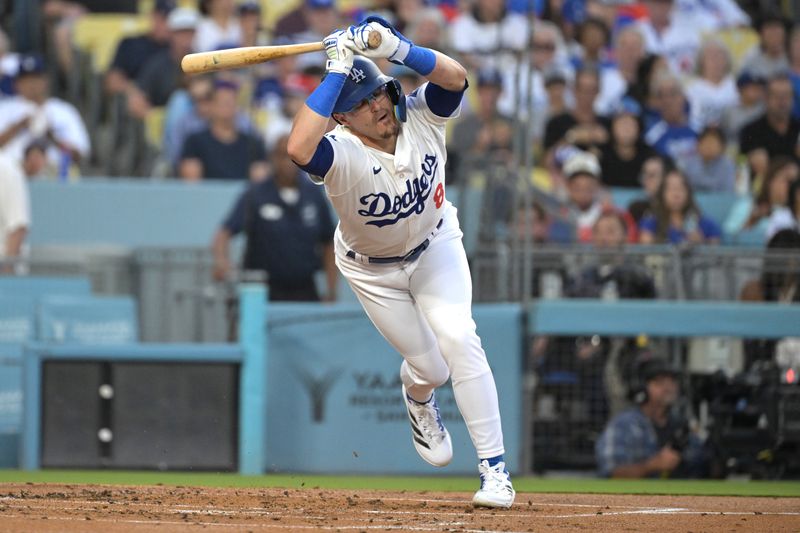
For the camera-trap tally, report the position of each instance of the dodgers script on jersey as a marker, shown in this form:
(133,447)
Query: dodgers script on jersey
(388,204)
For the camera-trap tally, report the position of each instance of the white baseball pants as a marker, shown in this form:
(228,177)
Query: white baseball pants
(424,310)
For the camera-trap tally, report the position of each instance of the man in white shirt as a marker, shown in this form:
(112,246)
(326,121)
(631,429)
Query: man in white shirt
(668,34)
(15,212)
(33,114)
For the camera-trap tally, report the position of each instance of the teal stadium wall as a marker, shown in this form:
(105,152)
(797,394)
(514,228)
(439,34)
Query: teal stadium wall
(129,212)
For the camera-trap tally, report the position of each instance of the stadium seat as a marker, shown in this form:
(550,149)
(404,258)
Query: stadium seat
(154,127)
(97,35)
(738,41)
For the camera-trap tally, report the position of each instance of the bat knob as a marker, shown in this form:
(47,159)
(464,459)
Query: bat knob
(374,39)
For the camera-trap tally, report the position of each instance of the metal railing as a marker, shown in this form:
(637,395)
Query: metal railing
(500,271)
(179,300)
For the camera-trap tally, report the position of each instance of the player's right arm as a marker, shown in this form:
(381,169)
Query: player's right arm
(306,141)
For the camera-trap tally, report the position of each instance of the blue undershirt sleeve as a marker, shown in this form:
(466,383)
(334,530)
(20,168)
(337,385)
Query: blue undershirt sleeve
(322,160)
(443,102)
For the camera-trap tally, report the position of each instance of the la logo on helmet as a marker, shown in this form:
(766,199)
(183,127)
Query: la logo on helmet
(358,75)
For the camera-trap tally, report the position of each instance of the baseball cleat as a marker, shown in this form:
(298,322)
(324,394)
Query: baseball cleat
(496,489)
(431,439)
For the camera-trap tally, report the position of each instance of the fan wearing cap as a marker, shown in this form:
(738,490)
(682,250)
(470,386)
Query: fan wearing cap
(161,75)
(645,440)
(750,106)
(223,150)
(582,171)
(33,114)
(133,52)
(253,31)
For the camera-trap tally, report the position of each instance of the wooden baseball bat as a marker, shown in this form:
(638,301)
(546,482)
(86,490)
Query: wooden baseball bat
(250,55)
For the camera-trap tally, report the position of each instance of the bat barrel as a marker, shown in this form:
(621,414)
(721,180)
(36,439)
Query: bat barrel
(241,57)
(250,55)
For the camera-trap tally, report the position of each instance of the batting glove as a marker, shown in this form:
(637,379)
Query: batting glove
(360,34)
(394,46)
(339,47)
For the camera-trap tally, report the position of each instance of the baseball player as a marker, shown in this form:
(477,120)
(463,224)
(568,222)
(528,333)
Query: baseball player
(398,241)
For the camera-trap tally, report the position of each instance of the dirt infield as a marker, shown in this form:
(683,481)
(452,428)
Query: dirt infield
(106,508)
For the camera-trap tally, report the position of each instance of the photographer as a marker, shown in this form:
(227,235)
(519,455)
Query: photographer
(645,440)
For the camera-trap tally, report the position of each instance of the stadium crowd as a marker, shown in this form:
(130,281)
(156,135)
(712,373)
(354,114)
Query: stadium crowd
(665,98)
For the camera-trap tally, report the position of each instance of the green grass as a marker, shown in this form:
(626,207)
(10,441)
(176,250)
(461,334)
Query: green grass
(431,483)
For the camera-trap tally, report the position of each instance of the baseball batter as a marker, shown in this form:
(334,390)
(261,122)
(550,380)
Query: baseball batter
(398,242)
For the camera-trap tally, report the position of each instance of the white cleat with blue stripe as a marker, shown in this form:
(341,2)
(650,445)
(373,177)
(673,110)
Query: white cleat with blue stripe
(431,439)
(496,488)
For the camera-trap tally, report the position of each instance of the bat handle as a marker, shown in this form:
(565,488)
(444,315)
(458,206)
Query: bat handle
(374,40)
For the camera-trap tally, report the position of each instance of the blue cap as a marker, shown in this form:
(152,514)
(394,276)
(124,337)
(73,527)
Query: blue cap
(490,77)
(748,78)
(31,64)
(164,6)
(249,6)
(320,4)
(364,78)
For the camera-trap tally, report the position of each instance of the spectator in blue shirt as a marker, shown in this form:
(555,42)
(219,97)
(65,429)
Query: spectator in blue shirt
(671,136)
(711,169)
(675,217)
(223,150)
(288,229)
(647,440)
(133,52)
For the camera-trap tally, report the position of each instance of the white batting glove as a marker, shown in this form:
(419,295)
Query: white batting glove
(339,47)
(390,43)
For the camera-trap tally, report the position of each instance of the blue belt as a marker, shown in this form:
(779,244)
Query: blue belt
(408,258)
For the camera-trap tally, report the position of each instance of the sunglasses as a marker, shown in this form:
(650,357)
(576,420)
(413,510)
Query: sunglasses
(377,94)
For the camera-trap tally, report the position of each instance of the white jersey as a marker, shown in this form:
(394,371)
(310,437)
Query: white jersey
(389,204)
(56,115)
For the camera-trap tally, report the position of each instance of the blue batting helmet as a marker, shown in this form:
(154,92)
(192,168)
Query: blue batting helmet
(364,78)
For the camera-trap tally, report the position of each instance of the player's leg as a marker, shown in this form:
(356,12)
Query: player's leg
(392,310)
(442,288)
(384,295)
